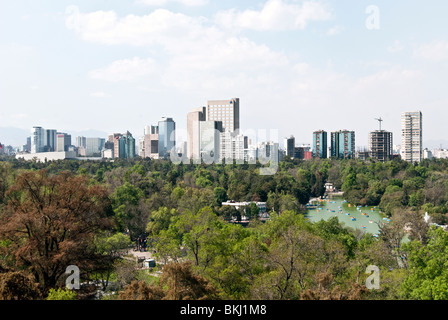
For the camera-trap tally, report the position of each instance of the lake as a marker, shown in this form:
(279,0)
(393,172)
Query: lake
(356,217)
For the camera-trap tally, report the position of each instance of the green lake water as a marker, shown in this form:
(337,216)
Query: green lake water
(365,218)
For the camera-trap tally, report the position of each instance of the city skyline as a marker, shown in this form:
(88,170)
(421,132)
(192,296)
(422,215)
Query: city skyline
(295,65)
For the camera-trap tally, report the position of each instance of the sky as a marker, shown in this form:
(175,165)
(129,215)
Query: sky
(297,66)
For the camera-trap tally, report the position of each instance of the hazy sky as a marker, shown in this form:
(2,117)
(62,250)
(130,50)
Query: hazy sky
(297,66)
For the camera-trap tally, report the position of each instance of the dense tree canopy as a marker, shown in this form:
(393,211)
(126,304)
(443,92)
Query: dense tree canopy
(87,213)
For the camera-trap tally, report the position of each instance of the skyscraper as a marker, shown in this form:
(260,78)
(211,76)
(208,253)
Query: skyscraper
(193,138)
(226,111)
(290,144)
(167,137)
(149,143)
(380,145)
(81,142)
(343,144)
(63,141)
(94,146)
(124,146)
(320,144)
(231,147)
(411,136)
(209,132)
(38,140)
(50,140)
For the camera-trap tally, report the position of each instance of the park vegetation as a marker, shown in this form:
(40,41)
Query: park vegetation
(88,214)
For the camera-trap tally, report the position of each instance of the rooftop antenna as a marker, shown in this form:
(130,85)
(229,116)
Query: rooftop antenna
(379,120)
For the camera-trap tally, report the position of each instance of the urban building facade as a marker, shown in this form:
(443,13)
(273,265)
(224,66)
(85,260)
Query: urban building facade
(411,136)
(290,144)
(226,111)
(194,117)
(209,132)
(342,144)
(167,137)
(94,146)
(38,140)
(123,145)
(63,142)
(320,144)
(380,145)
(51,137)
(81,142)
(232,147)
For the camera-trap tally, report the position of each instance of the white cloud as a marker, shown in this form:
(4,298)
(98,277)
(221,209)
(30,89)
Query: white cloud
(436,51)
(158,27)
(124,70)
(193,54)
(275,15)
(188,3)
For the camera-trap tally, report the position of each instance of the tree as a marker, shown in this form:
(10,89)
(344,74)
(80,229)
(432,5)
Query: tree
(184,284)
(111,247)
(252,211)
(61,294)
(220,195)
(428,275)
(160,220)
(18,286)
(51,222)
(129,208)
(177,282)
(140,290)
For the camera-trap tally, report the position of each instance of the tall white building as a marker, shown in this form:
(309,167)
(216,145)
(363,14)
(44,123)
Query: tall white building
(63,141)
(38,140)
(231,147)
(194,117)
(411,136)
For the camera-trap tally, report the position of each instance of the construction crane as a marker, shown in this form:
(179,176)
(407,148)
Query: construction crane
(379,120)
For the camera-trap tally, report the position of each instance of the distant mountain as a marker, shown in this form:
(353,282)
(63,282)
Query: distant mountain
(16,137)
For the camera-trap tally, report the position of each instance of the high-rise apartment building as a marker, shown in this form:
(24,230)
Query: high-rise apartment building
(411,136)
(167,137)
(380,145)
(320,144)
(194,117)
(342,144)
(226,111)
